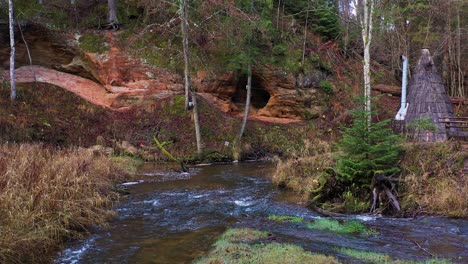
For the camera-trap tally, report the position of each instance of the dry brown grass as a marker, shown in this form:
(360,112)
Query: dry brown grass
(49,195)
(301,173)
(434,179)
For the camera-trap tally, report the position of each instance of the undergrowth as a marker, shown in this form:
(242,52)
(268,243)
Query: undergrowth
(304,172)
(434,181)
(48,196)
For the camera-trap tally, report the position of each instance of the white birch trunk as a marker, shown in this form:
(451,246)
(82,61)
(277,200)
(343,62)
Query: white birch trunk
(247,101)
(12,50)
(366,32)
(187,80)
(249,89)
(184,26)
(112,17)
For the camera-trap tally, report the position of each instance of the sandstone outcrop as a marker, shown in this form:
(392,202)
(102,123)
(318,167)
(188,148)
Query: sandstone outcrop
(117,81)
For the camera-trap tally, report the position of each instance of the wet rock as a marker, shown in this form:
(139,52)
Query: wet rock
(310,79)
(99,149)
(127,147)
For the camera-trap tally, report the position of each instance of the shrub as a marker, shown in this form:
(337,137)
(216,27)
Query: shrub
(326,86)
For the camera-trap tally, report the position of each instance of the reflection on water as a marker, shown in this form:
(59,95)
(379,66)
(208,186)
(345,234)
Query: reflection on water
(171,217)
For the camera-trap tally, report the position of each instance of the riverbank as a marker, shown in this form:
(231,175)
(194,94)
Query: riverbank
(173,217)
(50,195)
(432,180)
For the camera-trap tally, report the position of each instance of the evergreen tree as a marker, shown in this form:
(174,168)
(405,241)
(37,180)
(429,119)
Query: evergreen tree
(324,15)
(365,151)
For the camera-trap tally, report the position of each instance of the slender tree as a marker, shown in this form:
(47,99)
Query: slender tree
(188,82)
(112,16)
(249,84)
(247,101)
(365,14)
(12,50)
(184,26)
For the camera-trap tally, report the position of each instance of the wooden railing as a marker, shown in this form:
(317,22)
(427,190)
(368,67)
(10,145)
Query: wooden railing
(456,126)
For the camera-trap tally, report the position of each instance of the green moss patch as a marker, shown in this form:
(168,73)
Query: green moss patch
(367,256)
(236,235)
(93,43)
(347,227)
(377,258)
(238,246)
(286,218)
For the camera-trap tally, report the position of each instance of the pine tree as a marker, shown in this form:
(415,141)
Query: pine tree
(365,151)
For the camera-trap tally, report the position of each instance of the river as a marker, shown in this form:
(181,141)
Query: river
(170,217)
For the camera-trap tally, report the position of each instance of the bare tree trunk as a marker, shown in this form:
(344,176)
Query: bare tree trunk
(187,80)
(184,26)
(278,14)
(247,101)
(112,17)
(248,87)
(366,32)
(459,66)
(305,36)
(196,121)
(12,50)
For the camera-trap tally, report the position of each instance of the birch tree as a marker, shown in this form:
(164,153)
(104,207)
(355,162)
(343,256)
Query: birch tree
(248,87)
(187,81)
(112,16)
(12,50)
(365,13)
(247,101)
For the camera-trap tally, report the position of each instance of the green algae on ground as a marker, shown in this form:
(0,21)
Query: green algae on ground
(380,258)
(367,256)
(286,218)
(349,226)
(242,246)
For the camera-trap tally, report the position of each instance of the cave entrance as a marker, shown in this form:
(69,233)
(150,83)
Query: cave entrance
(259,98)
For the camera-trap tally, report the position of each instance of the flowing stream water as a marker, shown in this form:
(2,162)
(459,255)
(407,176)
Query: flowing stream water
(171,217)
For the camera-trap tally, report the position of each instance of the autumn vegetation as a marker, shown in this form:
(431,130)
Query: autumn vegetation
(52,191)
(50,195)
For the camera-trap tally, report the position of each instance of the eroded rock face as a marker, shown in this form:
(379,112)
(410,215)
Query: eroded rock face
(119,81)
(285,99)
(120,73)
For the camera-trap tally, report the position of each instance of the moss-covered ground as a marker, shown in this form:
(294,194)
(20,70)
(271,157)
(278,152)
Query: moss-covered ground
(246,246)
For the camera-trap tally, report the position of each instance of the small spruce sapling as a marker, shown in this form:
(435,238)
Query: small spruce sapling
(364,151)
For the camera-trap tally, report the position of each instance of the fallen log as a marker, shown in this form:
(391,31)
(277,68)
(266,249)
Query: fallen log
(389,89)
(323,211)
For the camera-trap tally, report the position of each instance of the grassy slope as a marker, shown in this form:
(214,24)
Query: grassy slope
(44,113)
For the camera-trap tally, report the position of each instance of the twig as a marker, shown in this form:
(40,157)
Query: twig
(27,49)
(423,249)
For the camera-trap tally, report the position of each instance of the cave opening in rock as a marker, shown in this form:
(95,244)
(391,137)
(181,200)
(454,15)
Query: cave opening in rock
(259,98)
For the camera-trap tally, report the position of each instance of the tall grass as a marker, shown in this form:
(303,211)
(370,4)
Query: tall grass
(48,196)
(434,181)
(303,171)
